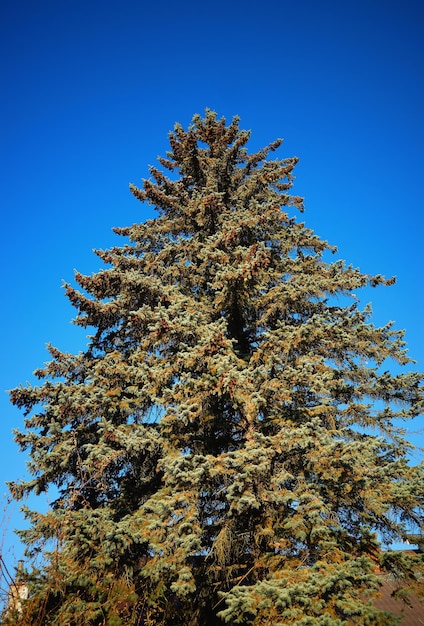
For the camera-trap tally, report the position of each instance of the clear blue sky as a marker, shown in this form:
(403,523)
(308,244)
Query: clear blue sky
(91,88)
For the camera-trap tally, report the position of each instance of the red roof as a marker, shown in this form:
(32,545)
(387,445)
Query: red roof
(412,613)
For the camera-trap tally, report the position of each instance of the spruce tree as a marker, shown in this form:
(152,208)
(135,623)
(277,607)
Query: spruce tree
(226,449)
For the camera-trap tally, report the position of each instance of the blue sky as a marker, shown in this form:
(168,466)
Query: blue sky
(91,89)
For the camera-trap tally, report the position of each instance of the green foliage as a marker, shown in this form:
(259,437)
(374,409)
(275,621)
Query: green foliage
(225,450)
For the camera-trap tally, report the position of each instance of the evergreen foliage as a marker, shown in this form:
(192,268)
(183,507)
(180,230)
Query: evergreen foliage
(225,450)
